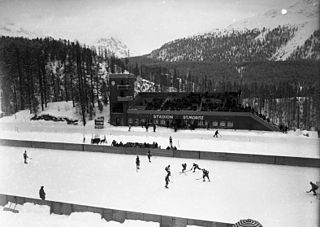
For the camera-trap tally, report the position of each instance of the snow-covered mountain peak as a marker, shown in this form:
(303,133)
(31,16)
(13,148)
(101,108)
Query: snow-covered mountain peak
(113,46)
(303,11)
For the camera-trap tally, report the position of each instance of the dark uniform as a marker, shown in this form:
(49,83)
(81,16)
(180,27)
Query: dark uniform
(25,157)
(168,170)
(167,180)
(216,134)
(170,140)
(194,167)
(184,167)
(42,194)
(137,163)
(205,174)
(314,188)
(149,155)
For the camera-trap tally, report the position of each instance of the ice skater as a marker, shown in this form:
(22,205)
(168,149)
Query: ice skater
(25,157)
(184,167)
(149,155)
(168,170)
(216,134)
(195,166)
(313,189)
(167,179)
(137,163)
(42,194)
(205,175)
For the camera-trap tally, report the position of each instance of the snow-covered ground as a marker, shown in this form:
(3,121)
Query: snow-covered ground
(295,143)
(273,195)
(39,216)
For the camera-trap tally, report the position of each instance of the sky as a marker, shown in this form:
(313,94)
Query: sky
(143,25)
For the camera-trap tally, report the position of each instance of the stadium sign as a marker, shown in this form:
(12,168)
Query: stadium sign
(162,116)
(190,117)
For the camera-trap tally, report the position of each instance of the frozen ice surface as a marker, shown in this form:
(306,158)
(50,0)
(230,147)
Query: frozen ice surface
(273,195)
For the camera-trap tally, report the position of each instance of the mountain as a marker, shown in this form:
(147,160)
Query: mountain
(112,46)
(275,35)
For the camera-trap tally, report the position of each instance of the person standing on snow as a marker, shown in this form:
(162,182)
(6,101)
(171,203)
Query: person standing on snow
(184,167)
(205,174)
(216,134)
(149,155)
(25,157)
(314,188)
(137,163)
(167,179)
(42,194)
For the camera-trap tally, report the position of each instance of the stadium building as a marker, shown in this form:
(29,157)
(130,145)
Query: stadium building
(180,110)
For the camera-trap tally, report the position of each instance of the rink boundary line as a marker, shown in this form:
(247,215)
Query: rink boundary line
(203,155)
(109,214)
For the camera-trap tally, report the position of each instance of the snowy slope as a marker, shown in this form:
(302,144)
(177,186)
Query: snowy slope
(304,15)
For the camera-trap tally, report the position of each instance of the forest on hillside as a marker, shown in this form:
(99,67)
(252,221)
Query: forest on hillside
(35,72)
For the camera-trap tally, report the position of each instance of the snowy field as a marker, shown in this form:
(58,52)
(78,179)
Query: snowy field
(39,216)
(295,143)
(274,195)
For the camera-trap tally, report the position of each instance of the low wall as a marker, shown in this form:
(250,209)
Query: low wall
(205,155)
(108,214)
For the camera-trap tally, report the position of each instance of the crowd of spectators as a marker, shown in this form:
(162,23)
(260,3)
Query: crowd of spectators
(138,145)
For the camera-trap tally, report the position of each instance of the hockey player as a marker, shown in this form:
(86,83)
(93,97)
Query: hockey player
(167,179)
(168,170)
(205,175)
(42,194)
(184,167)
(216,134)
(314,188)
(194,167)
(25,157)
(170,141)
(149,155)
(137,163)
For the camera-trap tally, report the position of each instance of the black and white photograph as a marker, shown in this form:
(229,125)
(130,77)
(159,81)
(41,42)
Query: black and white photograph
(160,113)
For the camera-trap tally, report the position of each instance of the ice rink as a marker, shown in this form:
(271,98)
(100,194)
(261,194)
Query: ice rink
(273,195)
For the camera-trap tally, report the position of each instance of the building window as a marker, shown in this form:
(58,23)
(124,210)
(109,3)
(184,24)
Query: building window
(230,124)
(214,124)
(162,122)
(130,121)
(222,123)
(136,121)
